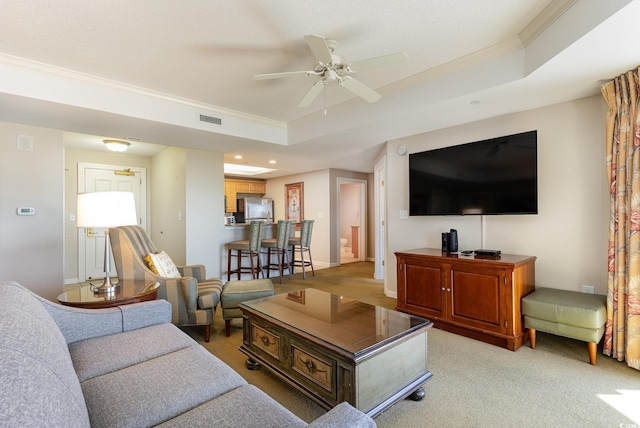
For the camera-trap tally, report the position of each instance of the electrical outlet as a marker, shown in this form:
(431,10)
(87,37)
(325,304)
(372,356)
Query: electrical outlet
(589,289)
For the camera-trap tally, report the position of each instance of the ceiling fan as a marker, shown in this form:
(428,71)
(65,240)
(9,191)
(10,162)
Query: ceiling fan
(331,67)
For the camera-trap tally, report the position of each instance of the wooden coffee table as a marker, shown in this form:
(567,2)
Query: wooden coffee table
(335,349)
(128,292)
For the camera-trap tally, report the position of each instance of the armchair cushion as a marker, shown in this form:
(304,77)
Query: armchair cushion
(161,264)
(209,292)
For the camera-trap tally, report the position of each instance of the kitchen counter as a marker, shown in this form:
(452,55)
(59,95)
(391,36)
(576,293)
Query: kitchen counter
(238,225)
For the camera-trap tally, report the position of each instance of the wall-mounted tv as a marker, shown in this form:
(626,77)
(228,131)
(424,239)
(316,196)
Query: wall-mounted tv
(489,177)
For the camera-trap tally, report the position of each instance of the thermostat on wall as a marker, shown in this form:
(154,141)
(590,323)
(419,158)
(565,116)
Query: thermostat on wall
(26,211)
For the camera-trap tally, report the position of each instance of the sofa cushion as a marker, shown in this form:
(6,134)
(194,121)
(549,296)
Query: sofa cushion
(37,376)
(246,406)
(102,355)
(159,389)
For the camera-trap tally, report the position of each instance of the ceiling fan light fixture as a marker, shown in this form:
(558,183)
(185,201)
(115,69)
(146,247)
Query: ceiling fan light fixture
(330,67)
(116,145)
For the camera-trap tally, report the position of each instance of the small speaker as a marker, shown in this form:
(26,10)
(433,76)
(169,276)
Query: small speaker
(445,242)
(453,240)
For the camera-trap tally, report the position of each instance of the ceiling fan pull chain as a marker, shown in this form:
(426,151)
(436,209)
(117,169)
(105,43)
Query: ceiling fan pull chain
(325,99)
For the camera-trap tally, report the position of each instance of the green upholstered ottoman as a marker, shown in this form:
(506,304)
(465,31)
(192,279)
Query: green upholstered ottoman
(565,313)
(236,292)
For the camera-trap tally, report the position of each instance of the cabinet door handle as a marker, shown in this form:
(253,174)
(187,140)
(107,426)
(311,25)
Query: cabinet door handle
(442,289)
(448,289)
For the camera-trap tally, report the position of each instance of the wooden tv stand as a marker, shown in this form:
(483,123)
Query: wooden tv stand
(474,296)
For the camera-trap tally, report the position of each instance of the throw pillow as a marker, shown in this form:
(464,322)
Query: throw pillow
(161,264)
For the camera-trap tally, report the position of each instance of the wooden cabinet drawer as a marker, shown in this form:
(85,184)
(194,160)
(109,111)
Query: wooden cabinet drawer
(313,368)
(265,341)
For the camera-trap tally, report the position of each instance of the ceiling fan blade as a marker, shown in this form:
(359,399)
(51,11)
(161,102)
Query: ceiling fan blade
(281,75)
(379,62)
(318,46)
(360,89)
(312,94)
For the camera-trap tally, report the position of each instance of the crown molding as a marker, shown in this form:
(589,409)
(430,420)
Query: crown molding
(547,17)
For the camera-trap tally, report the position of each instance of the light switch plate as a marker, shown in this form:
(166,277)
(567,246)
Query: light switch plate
(404,214)
(589,289)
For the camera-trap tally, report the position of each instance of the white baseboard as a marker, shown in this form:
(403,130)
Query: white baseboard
(392,294)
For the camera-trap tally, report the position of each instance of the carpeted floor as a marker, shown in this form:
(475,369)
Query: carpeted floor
(474,384)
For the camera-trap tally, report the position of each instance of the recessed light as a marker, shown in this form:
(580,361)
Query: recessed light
(237,157)
(272,161)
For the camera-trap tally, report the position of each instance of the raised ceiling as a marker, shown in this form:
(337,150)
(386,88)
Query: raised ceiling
(141,68)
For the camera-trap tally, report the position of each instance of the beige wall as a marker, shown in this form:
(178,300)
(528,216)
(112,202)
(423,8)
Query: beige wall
(168,205)
(205,229)
(31,247)
(568,236)
(316,207)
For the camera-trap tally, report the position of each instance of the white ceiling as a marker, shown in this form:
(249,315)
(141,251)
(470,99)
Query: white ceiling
(507,55)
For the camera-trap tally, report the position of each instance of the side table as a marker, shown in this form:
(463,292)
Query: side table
(128,292)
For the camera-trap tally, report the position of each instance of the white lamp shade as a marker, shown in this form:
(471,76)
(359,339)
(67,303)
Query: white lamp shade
(106,209)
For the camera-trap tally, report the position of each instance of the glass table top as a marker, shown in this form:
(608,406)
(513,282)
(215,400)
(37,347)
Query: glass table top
(346,323)
(87,293)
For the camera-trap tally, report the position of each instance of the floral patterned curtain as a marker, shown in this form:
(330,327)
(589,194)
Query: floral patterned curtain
(622,330)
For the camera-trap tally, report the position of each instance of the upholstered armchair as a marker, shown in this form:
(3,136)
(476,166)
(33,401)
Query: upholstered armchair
(193,297)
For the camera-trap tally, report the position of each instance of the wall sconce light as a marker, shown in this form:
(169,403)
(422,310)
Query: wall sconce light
(116,145)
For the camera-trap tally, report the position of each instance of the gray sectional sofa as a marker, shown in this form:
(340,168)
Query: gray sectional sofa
(124,366)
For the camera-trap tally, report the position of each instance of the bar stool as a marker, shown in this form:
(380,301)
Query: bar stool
(247,248)
(302,245)
(281,246)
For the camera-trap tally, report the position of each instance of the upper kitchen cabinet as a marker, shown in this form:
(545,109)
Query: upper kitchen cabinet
(253,187)
(233,187)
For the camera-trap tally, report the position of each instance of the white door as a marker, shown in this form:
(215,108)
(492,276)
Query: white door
(102,178)
(380,217)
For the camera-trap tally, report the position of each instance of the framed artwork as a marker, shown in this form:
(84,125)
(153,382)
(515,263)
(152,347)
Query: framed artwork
(296,296)
(294,202)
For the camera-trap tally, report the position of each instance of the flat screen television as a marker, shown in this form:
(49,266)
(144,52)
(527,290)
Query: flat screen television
(489,177)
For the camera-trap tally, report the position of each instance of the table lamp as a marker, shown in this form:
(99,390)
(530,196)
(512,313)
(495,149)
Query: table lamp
(106,209)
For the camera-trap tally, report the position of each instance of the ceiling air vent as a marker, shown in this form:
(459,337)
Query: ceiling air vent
(210,119)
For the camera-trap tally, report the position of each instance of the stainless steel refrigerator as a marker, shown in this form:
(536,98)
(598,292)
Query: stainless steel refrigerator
(254,209)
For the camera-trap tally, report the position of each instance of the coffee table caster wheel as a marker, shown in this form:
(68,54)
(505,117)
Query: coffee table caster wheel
(252,365)
(417,395)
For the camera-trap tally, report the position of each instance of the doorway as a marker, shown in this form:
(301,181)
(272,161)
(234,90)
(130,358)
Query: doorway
(100,178)
(352,224)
